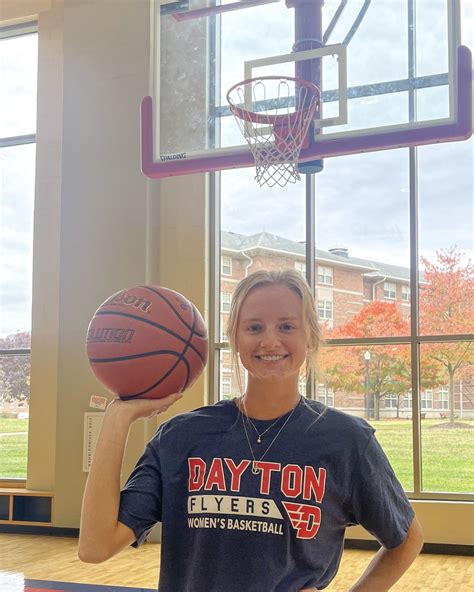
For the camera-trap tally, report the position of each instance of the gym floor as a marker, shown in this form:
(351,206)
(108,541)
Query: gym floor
(41,563)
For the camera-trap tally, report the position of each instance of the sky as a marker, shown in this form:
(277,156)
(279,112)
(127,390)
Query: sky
(361,200)
(18,81)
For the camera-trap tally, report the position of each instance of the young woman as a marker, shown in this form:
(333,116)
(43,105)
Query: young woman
(254,494)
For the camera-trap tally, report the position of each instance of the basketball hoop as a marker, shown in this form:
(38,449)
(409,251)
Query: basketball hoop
(274,114)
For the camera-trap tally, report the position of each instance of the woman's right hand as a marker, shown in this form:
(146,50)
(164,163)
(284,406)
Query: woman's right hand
(134,409)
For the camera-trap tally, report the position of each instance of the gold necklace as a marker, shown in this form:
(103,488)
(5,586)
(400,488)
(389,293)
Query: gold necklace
(259,435)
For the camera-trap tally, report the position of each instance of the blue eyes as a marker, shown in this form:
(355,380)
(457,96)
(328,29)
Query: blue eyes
(285,327)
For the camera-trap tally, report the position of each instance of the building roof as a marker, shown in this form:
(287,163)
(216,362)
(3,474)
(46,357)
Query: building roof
(231,241)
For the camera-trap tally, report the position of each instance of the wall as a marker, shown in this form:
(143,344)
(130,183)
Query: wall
(46,256)
(15,11)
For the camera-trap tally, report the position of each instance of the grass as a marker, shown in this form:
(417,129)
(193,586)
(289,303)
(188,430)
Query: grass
(13,449)
(13,425)
(396,440)
(446,454)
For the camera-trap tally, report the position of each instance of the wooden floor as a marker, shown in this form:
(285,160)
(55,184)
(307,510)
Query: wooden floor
(54,558)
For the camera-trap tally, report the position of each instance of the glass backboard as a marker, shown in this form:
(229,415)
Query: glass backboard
(392,73)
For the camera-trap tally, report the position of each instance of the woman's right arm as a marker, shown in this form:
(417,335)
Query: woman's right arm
(101,534)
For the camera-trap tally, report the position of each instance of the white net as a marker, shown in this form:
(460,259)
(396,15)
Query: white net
(274,115)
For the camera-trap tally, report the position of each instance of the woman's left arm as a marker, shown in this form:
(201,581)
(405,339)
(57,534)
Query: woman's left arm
(388,565)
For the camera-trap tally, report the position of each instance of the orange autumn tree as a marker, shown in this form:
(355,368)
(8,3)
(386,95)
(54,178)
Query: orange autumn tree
(447,308)
(344,369)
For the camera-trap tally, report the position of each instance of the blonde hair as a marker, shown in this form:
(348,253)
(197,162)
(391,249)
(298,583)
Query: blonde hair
(292,280)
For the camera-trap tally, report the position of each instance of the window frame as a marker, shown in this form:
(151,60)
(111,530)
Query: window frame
(426,396)
(388,291)
(326,310)
(407,401)
(9,32)
(391,401)
(223,266)
(411,404)
(225,302)
(325,394)
(300,267)
(226,380)
(414,339)
(443,398)
(322,273)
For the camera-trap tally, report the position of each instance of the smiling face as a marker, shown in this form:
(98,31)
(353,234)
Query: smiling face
(271,335)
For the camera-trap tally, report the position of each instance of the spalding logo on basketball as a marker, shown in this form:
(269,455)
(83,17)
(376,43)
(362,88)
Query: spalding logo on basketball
(147,342)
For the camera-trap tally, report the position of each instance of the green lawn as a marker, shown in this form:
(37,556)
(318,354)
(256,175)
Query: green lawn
(13,449)
(13,425)
(447,455)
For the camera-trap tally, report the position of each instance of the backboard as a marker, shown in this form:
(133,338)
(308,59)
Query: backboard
(392,73)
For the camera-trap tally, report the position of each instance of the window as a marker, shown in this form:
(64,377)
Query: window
(407,401)
(443,398)
(226,299)
(391,401)
(224,336)
(357,300)
(18,94)
(325,275)
(226,265)
(427,399)
(389,291)
(300,267)
(226,387)
(326,395)
(302,386)
(325,309)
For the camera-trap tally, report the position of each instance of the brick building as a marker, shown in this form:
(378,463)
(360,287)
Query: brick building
(344,285)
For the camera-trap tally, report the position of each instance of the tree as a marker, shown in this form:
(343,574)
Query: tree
(388,373)
(447,308)
(15,369)
(390,364)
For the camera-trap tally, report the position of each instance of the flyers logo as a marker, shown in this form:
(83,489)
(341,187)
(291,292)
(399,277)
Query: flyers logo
(304,519)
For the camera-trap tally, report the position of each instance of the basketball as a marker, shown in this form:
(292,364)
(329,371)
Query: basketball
(147,342)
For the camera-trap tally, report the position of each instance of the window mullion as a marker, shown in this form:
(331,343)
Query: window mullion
(311,270)
(17,140)
(414,259)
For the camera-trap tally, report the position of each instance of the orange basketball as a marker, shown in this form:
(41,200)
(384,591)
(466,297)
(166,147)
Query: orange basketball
(147,342)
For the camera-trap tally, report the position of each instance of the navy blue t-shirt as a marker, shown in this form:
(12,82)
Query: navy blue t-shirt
(227,528)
